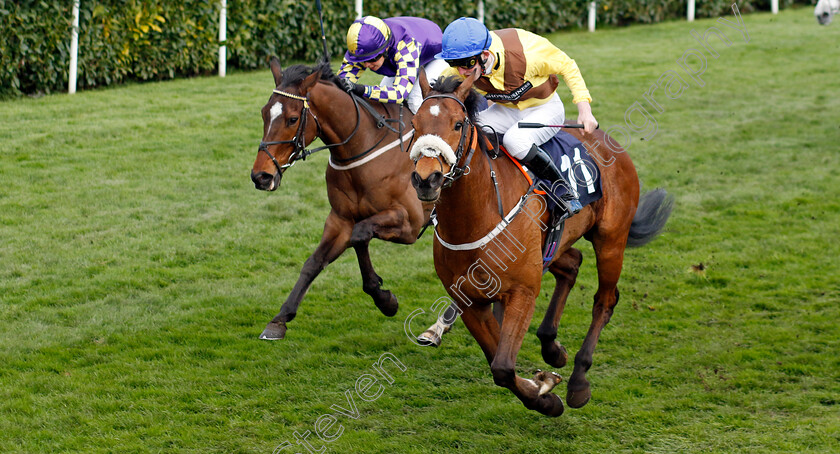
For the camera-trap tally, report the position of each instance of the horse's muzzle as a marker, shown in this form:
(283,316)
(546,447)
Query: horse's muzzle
(824,19)
(265,181)
(428,189)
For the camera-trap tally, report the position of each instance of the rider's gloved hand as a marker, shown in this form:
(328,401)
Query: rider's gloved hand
(352,88)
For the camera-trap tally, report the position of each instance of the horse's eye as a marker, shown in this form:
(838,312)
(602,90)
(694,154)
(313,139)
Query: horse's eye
(458,126)
(291,121)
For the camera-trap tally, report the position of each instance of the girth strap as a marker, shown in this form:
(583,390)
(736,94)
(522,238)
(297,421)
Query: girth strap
(489,237)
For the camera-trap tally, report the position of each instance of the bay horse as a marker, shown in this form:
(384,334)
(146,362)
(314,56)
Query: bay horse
(454,170)
(368,183)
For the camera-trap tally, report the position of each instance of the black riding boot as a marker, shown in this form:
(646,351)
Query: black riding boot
(540,163)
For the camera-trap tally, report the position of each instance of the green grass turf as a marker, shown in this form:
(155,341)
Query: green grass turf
(139,266)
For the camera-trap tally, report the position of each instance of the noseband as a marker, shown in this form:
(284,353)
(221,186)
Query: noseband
(455,171)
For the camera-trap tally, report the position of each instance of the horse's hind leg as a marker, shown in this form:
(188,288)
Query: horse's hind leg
(610,257)
(565,270)
(334,242)
(372,283)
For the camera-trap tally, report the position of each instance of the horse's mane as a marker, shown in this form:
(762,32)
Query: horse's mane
(472,103)
(450,84)
(294,75)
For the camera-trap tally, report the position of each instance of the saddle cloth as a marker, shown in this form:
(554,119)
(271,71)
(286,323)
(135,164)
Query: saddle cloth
(575,163)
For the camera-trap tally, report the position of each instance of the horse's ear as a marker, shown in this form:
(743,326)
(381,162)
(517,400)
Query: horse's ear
(274,63)
(425,88)
(309,82)
(464,89)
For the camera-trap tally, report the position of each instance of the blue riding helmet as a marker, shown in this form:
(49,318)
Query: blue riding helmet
(464,37)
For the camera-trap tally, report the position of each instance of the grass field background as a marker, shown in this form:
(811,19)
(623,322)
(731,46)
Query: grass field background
(138,265)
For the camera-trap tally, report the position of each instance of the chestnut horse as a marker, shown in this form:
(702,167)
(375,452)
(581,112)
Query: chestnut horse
(367,178)
(454,170)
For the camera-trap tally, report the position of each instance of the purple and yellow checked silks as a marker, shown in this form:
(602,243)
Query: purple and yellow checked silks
(409,43)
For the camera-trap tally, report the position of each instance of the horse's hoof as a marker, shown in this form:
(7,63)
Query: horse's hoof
(429,338)
(554,354)
(274,331)
(389,308)
(551,405)
(433,336)
(577,399)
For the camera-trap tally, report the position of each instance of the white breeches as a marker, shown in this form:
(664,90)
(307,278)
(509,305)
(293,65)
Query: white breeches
(519,140)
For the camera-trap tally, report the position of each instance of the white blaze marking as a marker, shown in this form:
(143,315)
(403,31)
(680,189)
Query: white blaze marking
(434,110)
(276,111)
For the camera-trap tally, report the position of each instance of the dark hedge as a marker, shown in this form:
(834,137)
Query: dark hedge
(142,40)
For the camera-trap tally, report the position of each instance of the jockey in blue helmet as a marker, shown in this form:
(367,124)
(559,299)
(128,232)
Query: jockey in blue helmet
(395,48)
(518,71)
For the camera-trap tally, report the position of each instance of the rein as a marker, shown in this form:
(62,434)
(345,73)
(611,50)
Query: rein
(380,122)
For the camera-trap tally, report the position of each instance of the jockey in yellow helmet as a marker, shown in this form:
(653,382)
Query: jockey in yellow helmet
(395,48)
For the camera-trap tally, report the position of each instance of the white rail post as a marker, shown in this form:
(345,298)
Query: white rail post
(481,10)
(592,14)
(690,12)
(222,39)
(774,6)
(358,8)
(74,49)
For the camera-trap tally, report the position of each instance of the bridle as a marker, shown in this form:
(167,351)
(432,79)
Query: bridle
(300,151)
(456,171)
(299,140)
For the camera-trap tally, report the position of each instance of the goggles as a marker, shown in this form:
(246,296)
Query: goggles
(372,60)
(467,62)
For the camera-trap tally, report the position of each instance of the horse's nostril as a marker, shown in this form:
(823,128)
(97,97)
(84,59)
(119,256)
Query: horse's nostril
(261,179)
(435,180)
(415,179)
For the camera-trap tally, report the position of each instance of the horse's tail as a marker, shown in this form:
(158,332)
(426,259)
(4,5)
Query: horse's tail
(651,215)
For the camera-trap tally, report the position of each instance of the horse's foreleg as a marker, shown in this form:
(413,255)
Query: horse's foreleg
(565,270)
(389,225)
(519,308)
(610,258)
(433,335)
(484,329)
(499,312)
(334,242)
(372,283)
